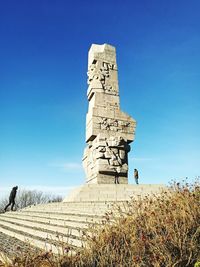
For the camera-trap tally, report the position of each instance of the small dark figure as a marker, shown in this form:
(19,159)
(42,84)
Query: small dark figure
(136,176)
(12,198)
(116,179)
(118,169)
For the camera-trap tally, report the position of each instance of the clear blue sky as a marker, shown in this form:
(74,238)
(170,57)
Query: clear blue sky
(43,65)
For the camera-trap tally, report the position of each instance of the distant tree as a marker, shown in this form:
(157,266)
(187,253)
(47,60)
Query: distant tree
(56,199)
(26,198)
(3,203)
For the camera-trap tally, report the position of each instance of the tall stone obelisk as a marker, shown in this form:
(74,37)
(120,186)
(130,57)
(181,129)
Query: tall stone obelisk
(109,131)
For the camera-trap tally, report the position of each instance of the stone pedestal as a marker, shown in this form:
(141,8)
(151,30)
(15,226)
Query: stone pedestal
(112,192)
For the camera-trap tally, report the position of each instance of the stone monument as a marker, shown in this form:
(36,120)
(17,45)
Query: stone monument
(109,131)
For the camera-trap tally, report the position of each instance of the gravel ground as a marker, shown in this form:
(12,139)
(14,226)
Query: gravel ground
(13,247)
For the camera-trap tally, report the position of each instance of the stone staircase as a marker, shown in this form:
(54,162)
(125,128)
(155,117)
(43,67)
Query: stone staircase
(61,227)
(53,226)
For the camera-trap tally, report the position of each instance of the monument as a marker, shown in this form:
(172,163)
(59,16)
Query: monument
(109,131)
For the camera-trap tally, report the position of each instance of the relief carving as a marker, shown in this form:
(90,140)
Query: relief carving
(95,75)
(113,125)
(110,89)
(99,74)
(112,154)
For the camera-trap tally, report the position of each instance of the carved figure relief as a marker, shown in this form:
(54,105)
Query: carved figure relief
(110,89)
(113,152)
(99,75)
(113,125)
(95,75)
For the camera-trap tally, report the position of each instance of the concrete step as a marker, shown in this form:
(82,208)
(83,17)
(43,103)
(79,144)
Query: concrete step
(58,222)
(59,230)
(31,240)
(89,210)
(71,204)
(39,233)
(75,204)
(85,206)
(80,217)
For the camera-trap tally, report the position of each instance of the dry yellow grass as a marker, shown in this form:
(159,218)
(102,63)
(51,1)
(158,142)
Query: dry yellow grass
(163,231)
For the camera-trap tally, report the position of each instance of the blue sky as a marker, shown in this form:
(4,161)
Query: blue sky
(43,65)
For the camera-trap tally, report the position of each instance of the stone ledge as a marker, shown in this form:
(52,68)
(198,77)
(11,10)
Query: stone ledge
(112,192)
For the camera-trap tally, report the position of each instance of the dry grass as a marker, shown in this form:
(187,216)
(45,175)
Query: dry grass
(163,231)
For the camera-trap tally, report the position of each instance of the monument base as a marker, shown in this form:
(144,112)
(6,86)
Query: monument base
(111,192)
(107,179)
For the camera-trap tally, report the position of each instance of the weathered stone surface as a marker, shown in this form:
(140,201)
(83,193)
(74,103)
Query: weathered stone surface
(52,226)
(109,131)
(110,192)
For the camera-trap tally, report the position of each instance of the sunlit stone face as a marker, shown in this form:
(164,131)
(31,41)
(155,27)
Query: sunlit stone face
(109,131)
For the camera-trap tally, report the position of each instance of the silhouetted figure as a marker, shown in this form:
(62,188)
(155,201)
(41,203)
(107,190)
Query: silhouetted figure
(136,176)
(118,169)
(116,179)
(12,198)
